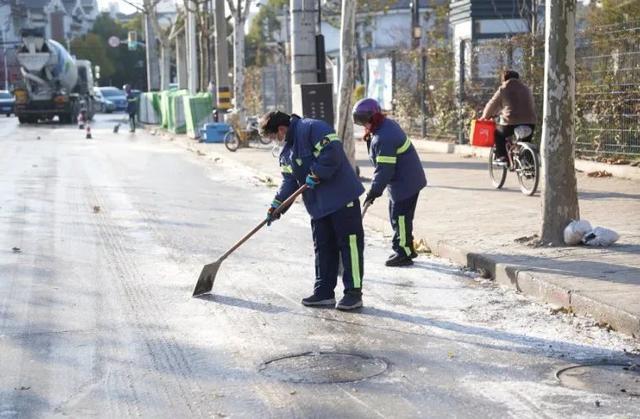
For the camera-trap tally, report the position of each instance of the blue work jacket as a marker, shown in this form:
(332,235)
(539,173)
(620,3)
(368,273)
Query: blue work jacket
(311,146)
(396,162)
(132,103)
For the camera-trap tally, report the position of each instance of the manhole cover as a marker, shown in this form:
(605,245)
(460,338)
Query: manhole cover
(324,367)
(620,379)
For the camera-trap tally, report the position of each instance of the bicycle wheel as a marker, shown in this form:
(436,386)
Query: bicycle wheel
(264,139)
(528,169)
(497,171)
(231,141)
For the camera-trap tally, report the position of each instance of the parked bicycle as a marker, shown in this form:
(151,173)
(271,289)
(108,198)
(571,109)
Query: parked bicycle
(522,158)
(237,138)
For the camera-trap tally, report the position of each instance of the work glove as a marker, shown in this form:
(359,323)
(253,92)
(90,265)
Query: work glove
(312,180)
(271,216)
(371,196)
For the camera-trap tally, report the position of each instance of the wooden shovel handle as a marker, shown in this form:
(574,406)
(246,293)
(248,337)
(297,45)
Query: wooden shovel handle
(277,211)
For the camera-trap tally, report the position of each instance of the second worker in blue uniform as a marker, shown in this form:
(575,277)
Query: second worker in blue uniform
(397,165)
(313,154)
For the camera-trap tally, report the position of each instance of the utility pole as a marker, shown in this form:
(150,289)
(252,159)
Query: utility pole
(222,59)
(192,49)
(153,63)
(560,191)
(303,48)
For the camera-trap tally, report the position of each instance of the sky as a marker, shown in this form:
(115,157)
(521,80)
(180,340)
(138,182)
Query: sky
(124,7)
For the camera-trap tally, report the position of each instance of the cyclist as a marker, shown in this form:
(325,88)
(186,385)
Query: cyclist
(513,101)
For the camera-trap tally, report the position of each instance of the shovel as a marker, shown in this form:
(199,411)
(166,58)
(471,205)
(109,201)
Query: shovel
(365,208)
(208,274)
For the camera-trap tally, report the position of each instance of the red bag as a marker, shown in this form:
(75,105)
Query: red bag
(482,133)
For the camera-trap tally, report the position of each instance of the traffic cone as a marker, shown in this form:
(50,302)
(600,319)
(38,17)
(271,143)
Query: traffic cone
(88,132)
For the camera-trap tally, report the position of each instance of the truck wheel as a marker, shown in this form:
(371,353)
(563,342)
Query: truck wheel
(22,119)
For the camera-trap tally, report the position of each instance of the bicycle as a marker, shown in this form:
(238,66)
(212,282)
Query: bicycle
(522,158)
(237,138)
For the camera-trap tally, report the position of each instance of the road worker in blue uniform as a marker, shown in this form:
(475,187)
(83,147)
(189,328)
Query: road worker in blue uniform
(397,166)
(312,154)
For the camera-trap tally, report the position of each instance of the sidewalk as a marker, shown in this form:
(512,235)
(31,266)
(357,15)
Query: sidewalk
(462,218)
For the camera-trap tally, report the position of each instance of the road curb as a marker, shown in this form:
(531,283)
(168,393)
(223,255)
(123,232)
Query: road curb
(530,283)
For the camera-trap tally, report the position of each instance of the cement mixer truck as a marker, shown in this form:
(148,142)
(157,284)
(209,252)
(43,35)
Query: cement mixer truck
(54,83)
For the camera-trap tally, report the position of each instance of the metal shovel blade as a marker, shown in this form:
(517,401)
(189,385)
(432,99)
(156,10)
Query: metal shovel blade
(207,276)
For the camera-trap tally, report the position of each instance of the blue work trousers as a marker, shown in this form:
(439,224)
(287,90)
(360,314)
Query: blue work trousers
(401,216)
(339,235)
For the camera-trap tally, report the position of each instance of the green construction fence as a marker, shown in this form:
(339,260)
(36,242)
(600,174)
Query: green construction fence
(197,111)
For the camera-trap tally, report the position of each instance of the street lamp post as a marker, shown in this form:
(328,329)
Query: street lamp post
(4,56)
(416,38)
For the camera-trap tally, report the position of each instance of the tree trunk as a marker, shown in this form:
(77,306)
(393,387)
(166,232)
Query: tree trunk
(347,48)
(560,195)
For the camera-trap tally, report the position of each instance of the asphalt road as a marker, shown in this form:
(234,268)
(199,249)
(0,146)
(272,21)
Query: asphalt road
(102,240)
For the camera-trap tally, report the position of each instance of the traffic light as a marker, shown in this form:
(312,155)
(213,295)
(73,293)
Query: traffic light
(96,70)
(132,40)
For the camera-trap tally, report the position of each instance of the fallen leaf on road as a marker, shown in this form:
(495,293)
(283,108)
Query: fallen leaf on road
(599,173)
(565,310)
(16,250)
(292,392)
(24,388)
(420,246)
(200,153)
(96,208)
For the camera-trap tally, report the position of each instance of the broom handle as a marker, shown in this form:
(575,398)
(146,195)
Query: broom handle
(277,211)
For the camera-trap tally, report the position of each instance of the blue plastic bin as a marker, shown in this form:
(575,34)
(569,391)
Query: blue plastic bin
(214,132)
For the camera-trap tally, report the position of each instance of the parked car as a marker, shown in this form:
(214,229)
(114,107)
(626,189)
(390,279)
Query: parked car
(115,95)
(7,103)
(104,105)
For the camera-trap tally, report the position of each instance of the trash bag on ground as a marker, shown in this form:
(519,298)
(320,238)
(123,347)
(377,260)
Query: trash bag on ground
(575,231)
(600,236)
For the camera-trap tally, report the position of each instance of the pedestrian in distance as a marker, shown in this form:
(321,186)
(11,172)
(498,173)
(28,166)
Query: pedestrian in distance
(312,154)
(132,107)
(513,101)
(397,165)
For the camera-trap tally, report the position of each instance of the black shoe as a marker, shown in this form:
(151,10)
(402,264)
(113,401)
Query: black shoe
(413,255)
(316,301)
(350,301)
(399,260)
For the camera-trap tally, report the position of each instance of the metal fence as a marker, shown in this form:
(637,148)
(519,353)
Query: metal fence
(607,87)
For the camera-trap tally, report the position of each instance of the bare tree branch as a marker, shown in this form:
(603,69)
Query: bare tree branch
(245,12)
(231,7)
